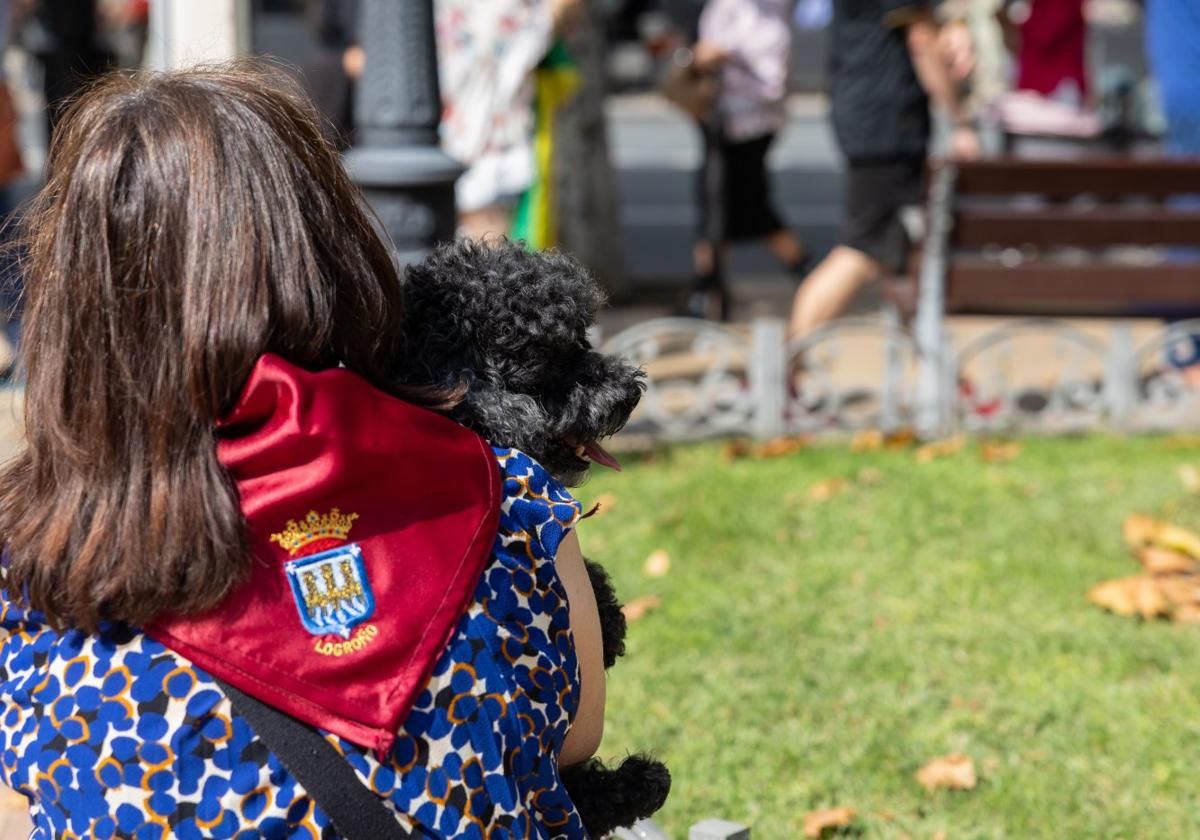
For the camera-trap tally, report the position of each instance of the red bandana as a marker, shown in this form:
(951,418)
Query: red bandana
(371,520)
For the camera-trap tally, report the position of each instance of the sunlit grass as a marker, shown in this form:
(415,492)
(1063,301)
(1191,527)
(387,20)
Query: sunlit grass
(813,654)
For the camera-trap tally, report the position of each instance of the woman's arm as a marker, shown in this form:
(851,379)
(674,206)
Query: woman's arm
(583,739)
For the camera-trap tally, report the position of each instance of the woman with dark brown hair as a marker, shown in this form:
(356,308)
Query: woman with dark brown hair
(224,515)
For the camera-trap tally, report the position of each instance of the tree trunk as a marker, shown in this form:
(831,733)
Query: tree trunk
(584,177)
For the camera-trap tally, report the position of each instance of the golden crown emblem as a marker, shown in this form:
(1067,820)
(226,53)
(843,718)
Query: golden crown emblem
(334,525)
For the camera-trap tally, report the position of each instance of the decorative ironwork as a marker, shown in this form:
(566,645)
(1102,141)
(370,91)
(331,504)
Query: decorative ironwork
(705,380)
(837,381)
(1166,379)
(698,382)
(1033,375)
(1057,383)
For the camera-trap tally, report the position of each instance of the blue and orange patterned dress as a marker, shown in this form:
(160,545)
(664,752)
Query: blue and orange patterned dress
(114,735)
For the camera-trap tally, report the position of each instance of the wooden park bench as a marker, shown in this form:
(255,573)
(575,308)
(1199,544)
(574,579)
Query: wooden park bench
(1080,238)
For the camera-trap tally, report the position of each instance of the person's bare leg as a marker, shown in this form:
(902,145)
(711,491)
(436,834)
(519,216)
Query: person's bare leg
(485,222)
(827,291)
(786,247)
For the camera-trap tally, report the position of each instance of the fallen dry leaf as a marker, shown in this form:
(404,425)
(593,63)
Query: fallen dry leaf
(1186,614)
(639,606)
(657,564)
(1141,530)
(1139,595)
(816,823)
(868,440)
(781,446)
(999,451)
(952,772)
(737,449)
(872,440)
(1189,476)
(1164,561)
(940,449)
(825,490)
(1179,590)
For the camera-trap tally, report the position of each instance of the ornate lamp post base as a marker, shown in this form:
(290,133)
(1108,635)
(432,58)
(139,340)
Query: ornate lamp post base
(403,172)
(411,189)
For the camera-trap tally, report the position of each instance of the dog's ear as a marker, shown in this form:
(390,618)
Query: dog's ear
(606,393)
(503,417)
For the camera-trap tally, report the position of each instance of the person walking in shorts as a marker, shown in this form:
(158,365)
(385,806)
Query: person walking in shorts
(885,69)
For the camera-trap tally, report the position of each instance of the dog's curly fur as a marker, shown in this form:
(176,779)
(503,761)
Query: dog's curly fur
(612,619)
(507,329)
(510,327)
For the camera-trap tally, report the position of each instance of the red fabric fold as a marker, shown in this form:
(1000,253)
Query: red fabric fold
(417,499)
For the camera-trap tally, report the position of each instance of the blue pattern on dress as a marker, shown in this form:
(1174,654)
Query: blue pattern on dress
(116,735)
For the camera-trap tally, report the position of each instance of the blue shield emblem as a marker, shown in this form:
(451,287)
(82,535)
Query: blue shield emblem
(331,590)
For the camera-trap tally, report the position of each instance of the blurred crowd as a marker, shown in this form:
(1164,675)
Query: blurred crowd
(60,45)
(906,78)
(963,77)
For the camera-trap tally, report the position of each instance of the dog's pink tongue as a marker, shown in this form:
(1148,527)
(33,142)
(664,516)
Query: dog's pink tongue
(601,456)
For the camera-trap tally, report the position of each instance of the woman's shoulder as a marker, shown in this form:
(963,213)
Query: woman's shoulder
(534,503)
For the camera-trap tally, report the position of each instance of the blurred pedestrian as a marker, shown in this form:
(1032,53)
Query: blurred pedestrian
(11,170)
(557,80)
(487,54)
(886,67)
(66,39)
(127,25)
(1049,39)
(11,167)
(1173,48)
(747,45)
(336,65)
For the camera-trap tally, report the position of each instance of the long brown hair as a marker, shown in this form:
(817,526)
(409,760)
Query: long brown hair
(191,222)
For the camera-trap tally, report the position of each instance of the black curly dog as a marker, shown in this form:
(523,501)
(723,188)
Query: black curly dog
(507,328)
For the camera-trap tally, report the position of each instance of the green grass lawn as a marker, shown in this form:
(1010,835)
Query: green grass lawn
(815,654)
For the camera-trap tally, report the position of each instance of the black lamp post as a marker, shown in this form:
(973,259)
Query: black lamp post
(397,161)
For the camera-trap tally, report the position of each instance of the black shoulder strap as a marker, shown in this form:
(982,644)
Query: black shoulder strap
(355,812)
